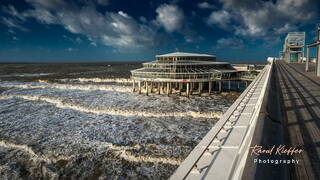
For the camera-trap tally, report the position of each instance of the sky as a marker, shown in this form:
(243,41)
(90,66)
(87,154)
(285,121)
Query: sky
(137,30)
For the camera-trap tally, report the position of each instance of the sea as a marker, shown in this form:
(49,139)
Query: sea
(82,121)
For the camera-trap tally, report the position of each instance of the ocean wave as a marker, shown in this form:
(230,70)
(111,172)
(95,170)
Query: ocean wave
(97,80)
(119,151)
(60,103)
(65,86)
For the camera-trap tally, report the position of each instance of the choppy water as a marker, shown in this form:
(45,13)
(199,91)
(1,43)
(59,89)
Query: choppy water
(61,127)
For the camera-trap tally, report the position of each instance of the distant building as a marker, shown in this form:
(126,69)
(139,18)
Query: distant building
(281,55)
(182,71)
(293,48)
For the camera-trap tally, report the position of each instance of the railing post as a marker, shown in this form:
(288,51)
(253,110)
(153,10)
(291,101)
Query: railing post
(307,59)
(318,61)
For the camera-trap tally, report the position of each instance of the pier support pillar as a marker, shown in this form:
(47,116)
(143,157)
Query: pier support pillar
(246,84)
(151,87)
(133,86)
(159,87)
(191,88)
(220,86)
(162,87)
(180,88)
(170,88)
(238,87)
(168,91)
(147,90)
(188,90)
(200,88)
(139,84)
(210,87)
(229,85)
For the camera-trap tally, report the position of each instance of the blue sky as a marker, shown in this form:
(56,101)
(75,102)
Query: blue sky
(128,30)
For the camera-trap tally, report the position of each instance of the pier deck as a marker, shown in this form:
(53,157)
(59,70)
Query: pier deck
(300,98)
(286,111)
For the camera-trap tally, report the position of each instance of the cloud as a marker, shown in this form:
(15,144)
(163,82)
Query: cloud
(222,18)
(262,19)
(170,17)
(15,38)
(77,40)
(71,49)
(93,44)
(43,15)
(205,5)
(103,2)
(116,29)
(13,12)
(229,43)
(12,23)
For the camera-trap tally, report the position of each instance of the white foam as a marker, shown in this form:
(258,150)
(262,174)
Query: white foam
(111,111)
(65,86)
(97,80)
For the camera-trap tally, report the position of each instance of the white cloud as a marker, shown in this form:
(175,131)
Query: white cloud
(263,19)
(12,23)
(170,17)
(229,43)
(15,38)
(13,12)
(205,5)
(118,30)
(103,2)
(222,18)
(71,49)
(42,15)
(78,40)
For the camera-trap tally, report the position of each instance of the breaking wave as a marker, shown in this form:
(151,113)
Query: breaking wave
(97,80)
(64,105)
(128,156)
(24,148)
(67,86)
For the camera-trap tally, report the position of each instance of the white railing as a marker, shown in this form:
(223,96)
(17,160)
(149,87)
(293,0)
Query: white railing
(221,154)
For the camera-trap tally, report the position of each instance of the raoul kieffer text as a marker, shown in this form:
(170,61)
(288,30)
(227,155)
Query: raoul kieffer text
(277,150)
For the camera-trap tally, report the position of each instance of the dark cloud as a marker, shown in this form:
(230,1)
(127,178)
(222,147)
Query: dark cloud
(264,18)
(116,29)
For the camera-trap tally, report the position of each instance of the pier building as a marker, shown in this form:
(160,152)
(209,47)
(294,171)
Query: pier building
(186,73)
(293,48)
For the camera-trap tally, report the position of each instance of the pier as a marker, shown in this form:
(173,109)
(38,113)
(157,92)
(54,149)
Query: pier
(188,74)
(280,107)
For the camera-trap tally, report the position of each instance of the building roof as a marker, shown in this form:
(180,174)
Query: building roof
(175,54)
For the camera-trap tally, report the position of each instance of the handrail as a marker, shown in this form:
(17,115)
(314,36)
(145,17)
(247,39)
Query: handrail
(191,161)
